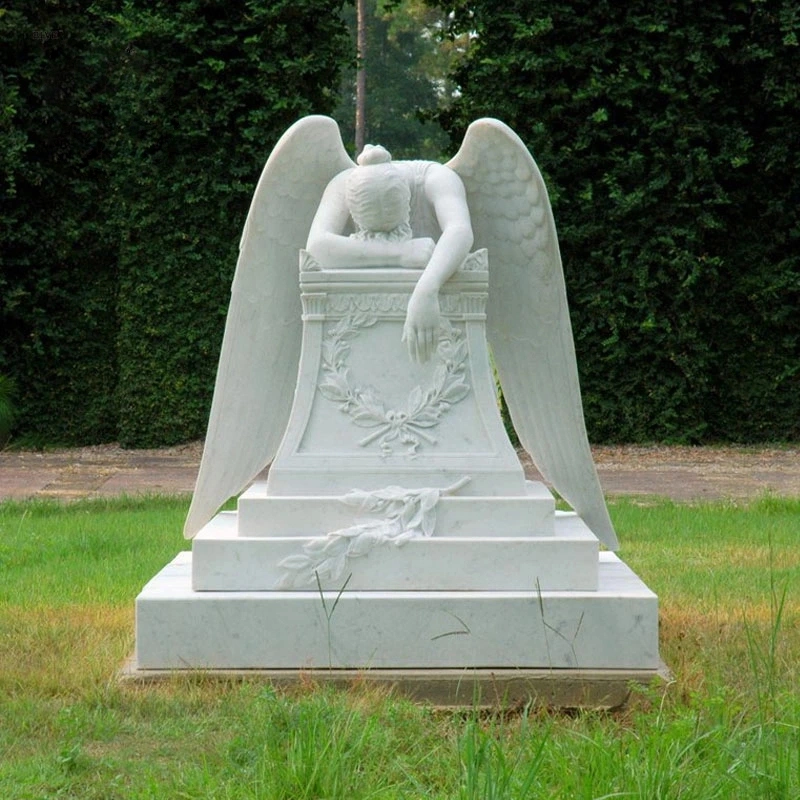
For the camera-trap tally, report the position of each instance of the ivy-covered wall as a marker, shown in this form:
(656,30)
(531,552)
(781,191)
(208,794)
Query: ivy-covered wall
(668,135)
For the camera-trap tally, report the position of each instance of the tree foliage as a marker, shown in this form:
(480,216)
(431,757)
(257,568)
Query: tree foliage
(406,74)
(667,133)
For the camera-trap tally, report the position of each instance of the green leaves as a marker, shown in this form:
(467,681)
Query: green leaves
(668,142)
(132,143)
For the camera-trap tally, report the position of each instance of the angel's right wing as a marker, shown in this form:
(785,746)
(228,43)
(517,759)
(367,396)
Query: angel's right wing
(261,347)
(528,323)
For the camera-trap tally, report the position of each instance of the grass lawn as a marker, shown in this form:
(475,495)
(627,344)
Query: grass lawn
(728,726)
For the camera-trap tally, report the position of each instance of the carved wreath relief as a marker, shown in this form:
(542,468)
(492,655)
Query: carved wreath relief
(410,425)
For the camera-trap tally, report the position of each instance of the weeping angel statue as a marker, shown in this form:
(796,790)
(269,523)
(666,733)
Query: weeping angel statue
(404,214)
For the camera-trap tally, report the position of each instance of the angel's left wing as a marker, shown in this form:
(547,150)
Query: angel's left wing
(263,331)
(528,323)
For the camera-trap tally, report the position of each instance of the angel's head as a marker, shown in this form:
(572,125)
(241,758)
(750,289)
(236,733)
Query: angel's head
(378,196)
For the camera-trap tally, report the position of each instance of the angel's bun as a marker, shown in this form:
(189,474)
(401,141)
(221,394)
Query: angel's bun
(373,154)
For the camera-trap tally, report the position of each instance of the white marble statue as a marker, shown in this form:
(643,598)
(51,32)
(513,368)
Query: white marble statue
(426,201)
(412,215)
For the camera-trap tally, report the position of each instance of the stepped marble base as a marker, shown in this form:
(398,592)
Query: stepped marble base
(567,559)
(531,514)
(615,627)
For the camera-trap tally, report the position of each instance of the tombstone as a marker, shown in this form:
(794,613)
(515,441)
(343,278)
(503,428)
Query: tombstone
(396,534)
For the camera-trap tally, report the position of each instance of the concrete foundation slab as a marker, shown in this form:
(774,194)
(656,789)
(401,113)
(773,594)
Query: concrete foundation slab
(449,688)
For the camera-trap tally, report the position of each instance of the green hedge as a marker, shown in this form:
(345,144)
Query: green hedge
(58,252)
(668,134)
(211,87)
(134,136)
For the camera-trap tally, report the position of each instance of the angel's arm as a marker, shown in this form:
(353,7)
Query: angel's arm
(445,191)
(333,250)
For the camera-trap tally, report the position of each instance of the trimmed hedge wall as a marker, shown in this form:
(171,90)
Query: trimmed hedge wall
(58,246)
(668,136)
(133,137)
(210,89)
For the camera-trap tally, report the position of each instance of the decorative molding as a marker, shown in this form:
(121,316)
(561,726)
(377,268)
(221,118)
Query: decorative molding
(423,408)
(402,514)
(473,304)
(396,303)
(314,305)
(478,261)
(308,263)
(372,302)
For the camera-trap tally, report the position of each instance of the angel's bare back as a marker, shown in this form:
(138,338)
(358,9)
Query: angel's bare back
(370,198)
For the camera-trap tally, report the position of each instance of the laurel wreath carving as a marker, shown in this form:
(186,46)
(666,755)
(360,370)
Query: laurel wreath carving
(404,514)
(423,408)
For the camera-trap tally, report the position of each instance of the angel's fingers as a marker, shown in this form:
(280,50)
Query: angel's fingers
(431,342)
(408,338)
(419,356)
(423,346)
(418,349)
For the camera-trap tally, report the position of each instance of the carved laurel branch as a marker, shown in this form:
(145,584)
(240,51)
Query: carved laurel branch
(423,408)
(404,514)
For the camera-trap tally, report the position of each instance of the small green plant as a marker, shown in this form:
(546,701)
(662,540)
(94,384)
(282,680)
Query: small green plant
(8,389)
(329,612)
(493,769)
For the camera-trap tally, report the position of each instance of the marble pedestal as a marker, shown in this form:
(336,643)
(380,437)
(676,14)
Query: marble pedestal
(612,627)
(445,558)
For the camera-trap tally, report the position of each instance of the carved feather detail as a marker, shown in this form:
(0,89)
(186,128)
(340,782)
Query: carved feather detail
(261,346)
(528,323)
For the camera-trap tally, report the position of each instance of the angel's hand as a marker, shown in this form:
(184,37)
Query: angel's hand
(421,331)
(417,253)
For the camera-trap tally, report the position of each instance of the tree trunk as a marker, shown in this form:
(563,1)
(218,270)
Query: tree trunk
(361,74)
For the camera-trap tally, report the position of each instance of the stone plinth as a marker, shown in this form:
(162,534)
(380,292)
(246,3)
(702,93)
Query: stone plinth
(565,560)
(614,627)
(396,531)
(260,514)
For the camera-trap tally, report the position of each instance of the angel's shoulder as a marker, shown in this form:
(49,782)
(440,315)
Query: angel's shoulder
(341,177)
(337,185)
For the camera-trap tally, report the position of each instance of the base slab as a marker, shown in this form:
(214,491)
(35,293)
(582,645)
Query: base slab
(449,688)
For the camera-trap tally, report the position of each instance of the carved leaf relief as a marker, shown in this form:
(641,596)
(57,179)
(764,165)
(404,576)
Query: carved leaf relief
(399,515)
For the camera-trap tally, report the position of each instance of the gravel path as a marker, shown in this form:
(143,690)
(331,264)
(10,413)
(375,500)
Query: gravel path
(682,473)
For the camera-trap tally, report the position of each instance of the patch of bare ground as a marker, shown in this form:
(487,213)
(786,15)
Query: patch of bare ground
(681,473)
(695,473)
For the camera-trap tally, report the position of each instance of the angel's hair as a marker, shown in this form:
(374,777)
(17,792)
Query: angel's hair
(373,154)
(378,196)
